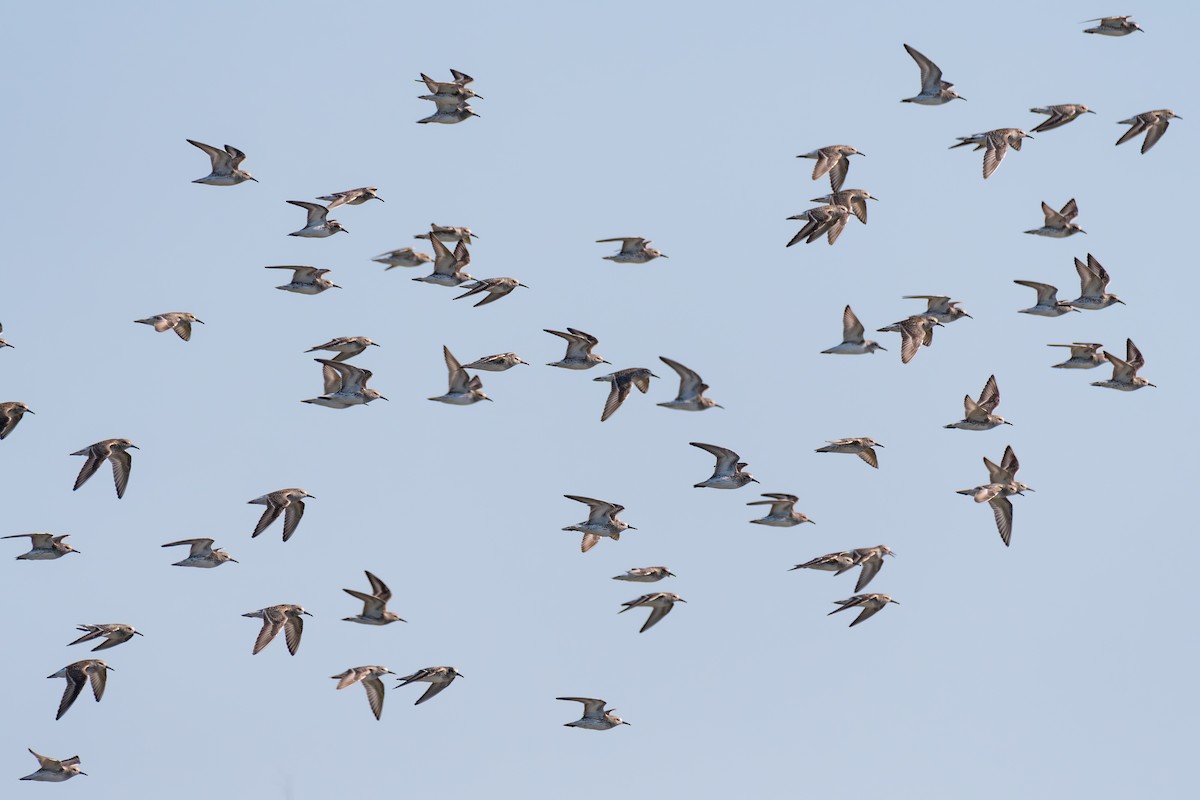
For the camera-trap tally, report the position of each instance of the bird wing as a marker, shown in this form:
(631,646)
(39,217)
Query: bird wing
(293,629)
(374,688)
(372,606)
(837,174)
(1002,510)
(459,382)
(592,708)
(1009,462)
(316,212)
(658,610)
(1090,284)
(236,157)
(1123,371)
(852,329)
(75,682)
(599,511)
(1133,355)
(689,380)
(98,675)
(273,621)
(989,398)
(616,396)
(94,460)
(272,512)
(183,328)
(726,458)
(589,541)
(198,546)
(867,454)
(870,568)
(1047,295)
(1154,132)
(378,587)
(910,342)
(996,150)
(220,159)
(1137,127)
(1070,210)
(1098,268)
(433,689)
(295,510)
(122,463)
(931,76)
(867,613)
(1053,218)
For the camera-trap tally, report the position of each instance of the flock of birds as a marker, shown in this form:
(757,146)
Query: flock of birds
(345,385)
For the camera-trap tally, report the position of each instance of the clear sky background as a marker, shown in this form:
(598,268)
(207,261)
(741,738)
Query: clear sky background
(1062,666)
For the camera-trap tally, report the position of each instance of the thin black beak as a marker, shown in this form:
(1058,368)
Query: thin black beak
(234,560)
(139,633)
(135,447)
(28,411)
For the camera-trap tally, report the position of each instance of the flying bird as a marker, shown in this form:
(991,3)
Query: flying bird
(289,502)
(833,160)
(1060,115)
(201,554)
(112,633)
(1152,123)
(1125,377)
(783,513)
(871,604)
(691,390)
(659,603)
(307,280)
(602,521)
(79,674)
(225,166)
(728,472)
(287,618)
(369,678)
(622,381)
(178,321)
(861,446)
(374,604)
(594,718)
(438,679)
(634,250)
(43,546)
(995,143)
(464,389)
(934,90)
(977,415)
(10,414)
(317,225)
(853,342)
(115,451)
(1059,224)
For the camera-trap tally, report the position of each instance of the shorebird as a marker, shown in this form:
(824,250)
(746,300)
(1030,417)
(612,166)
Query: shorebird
(594,718)
(934,90)
(1152,123)
(352,197)
(374,604)
(438,678)
(1125,377)
(1060,115)
(317,226)
(461,79)
(691,390)
(449,111)
(78,674)
(289,502)
(307,280)
(1059,224)
(1084,355)
(602,521)
(464,389)
(996,143)
(827,220)
(634,250)
(783,513)
(659,603)
(346,347)
(112,633)
(225,164)
(728,473)
(448,233)
(853,199)
(1048,304)
(940,307)
(853,343)
(645,575)
(10,414)
(286,618)
(871,561)
(1093,286)
(622,381)
(869,603)
(403,257)
(830,562)
(52,770)
(496,363)
(915,331)
(345,385)
(202,554)
(1001,485)
(43,546)
(116,451)
(834,160)
(178,321)
(977,414)
(1113,26)
(495,287)
(369,678)
(861,446)
(579,350)
(448,268)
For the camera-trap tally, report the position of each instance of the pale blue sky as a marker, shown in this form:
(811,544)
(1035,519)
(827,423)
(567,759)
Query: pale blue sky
(1062,666)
